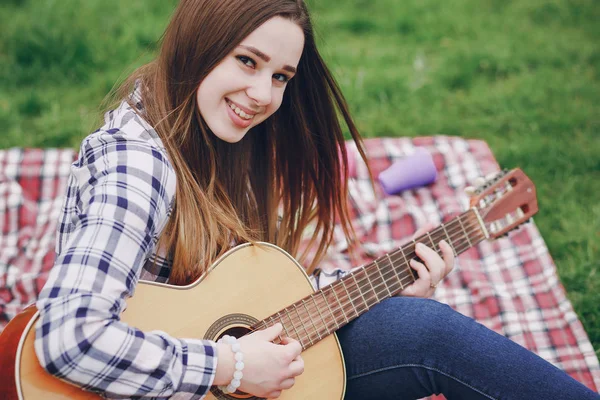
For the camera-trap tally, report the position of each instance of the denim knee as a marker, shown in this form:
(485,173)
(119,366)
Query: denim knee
(417,324)
(412,347)
(403,328)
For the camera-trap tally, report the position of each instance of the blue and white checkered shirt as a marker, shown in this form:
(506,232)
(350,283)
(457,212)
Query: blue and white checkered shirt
(119,197)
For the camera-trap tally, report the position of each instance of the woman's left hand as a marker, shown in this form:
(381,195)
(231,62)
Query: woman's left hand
(433,269)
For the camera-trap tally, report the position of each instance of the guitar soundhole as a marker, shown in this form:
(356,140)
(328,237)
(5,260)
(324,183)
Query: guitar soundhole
(236,325)
(235,331)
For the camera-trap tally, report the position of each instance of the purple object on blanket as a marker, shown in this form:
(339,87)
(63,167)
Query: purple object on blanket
(413,171)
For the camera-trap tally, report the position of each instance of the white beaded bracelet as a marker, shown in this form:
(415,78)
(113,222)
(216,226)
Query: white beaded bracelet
(236,381)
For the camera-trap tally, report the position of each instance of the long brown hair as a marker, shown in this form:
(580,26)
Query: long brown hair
(287,173)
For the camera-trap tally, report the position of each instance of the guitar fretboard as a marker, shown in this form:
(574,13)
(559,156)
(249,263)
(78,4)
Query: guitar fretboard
(328,309)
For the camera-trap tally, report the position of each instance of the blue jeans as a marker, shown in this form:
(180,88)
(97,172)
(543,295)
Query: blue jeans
(408,348)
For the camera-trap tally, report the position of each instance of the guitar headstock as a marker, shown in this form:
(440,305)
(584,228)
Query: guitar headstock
(505,201)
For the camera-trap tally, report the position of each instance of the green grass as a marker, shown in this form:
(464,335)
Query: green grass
(522,75)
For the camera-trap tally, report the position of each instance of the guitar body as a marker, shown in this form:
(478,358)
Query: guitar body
(246,285)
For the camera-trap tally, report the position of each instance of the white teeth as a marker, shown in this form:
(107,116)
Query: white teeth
(239,112)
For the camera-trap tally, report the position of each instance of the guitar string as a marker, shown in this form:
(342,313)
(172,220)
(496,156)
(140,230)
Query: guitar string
(410,252)
(320,333)
(334,313)
(329,323)
(386,264)
(405,280)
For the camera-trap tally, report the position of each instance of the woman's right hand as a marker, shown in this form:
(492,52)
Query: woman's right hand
(268,368)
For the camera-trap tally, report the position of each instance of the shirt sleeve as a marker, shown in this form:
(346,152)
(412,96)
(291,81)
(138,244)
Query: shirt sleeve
(123,187)
(320,278)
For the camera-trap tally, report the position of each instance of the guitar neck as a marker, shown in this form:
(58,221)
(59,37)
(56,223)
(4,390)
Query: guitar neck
(328,309)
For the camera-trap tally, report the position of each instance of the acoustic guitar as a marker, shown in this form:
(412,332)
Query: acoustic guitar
(234,298)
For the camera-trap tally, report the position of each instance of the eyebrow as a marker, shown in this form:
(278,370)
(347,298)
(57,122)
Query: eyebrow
(266,58)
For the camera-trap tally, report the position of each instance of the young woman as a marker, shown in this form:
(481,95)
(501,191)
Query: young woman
(228,137)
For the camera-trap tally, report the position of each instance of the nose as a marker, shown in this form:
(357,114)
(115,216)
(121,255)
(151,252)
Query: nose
(260,90)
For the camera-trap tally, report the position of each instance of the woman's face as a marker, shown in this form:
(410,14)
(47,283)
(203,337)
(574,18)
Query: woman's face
(247,86)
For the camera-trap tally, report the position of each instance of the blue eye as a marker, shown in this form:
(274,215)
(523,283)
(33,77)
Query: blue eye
(247,61)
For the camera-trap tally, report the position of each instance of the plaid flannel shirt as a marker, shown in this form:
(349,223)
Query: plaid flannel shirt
(118,199)
(119,196)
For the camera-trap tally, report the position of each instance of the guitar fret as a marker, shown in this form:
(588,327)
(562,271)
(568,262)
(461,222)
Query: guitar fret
(362,296)
(282,324)
(371,283)
(343,283)
(431,240)
(437,248)
(272,320)
(311,320)
(394,269)
(449,240)
(340,303)
(320,315)
(382,278)
(408,265)
(329,307)
(302,323)
(294,327)
(464,230)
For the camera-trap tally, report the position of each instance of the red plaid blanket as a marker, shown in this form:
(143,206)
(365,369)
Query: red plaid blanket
(32,185)
(509,285)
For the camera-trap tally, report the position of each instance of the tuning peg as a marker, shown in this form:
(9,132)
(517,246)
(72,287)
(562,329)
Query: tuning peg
(479,181)
(470,190)
(495,226)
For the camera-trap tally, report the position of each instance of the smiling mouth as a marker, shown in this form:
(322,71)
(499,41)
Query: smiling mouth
(241,113)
